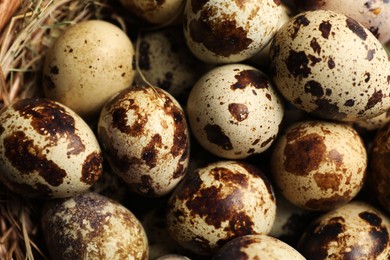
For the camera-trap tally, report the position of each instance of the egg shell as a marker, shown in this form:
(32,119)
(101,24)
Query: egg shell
(234,111)
(219,31)
(319,165)
(356,230)
(373,14)
(173,257)
(329,65)
(155,12)
(91,58)
(91,226)
(219,202)
(166,62)
(374,123)
(47,150)
(379,173)
(257,247)
(144,135)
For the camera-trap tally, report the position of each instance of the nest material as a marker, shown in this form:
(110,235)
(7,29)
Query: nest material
(27,30)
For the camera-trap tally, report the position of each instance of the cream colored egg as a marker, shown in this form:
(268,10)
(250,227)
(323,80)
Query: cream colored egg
(219,202)
(257,247)
(47,150)
(328,64)
(144,135)
(156,12)
(234,111)
(319,165)
(87,64)
(221,31)
(91,226)
(356,230)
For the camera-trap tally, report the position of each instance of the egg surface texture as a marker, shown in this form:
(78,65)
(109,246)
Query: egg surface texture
(328,64)
(319,165)
(234,111)
(47,150)
(219,31)
(144,135)
(87,64)
(257,247)
(219,202)
(356,230)
(91,226)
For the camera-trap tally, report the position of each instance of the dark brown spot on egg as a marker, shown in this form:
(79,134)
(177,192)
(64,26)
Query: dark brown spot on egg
(315,45)
(240,224)
(328,181)
(349,103)
(267,142)
(356,28)
(150,151)
(92,168)
(278,2)
(375,31)
(54,70)
(304,154)
(370,54)
(216,136)
(314,88)
(120,119)
(233,251)
(146,187)
(239,111)
(331,63)
(299,21)
(297,64)
(52,121)
(314,60)
(27,158)
(367,77)
(374,99)
(165,83)
(315,241)
(2,129)
(328,110)
(325,27)
(332,202)
(252,78)
(220,36)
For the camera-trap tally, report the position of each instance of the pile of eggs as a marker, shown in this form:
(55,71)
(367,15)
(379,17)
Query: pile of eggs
(224,130)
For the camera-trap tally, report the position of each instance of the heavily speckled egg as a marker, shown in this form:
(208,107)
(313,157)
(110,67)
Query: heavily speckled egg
(219,202)
(328,64)
(319,165)
(47,150)
(91,226)
(219,31)
(87,64)
(234,111)
(373,14)
(144,136)
(257,247)
(354,231)
(379,173)
(166,62)
(154,11)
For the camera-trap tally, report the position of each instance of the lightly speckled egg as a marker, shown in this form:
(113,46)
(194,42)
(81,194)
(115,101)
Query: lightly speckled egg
(373,14)
(144,136)
(379,172)
(219,31)
(234,111)
(319,165)
(329,65)
(154,11)
(372,124)
(47,150)
(356,230)
(166,62)
(87,64)
(257,246)
(218,202)
(91,226)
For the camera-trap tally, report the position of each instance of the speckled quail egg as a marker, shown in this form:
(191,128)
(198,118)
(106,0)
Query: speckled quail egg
(219,202)
(356,230)
(374,123)
(373,14)
(379,173)
(319,165)
(257,247)
(166,62)
(87,64)
(329,65)
(219,31)
(154,11)
(234,111)
(47,150)
(144,136)
(91,226)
